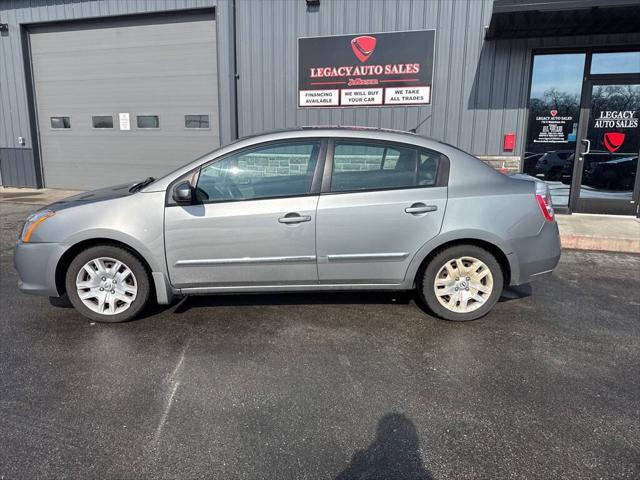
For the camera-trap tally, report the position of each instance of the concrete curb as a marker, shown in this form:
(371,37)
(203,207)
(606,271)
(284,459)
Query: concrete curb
(604,244)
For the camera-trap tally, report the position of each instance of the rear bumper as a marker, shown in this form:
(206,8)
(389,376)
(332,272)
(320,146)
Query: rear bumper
(36,267)
(537,256)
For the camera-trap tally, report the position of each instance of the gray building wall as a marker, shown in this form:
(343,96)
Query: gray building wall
(479,93)
(480,87)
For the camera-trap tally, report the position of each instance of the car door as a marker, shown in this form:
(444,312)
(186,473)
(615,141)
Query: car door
(380,203)
(252,222)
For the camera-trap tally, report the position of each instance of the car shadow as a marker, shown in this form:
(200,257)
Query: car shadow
(297,298)
(185,304)
(393,454)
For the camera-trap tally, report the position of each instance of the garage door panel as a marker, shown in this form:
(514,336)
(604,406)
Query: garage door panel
(151,66)
(151,91)
(125,63)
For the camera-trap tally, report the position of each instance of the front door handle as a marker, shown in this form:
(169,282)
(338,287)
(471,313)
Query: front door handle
(294,218)
(420,207)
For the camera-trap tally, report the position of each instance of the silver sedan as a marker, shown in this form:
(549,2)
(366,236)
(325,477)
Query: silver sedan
(299,210)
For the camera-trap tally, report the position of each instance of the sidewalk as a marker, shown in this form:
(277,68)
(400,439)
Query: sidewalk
(33,196)
(578,231)
(600,232)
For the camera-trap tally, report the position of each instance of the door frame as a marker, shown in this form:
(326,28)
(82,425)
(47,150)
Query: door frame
(588,50)
(598,206)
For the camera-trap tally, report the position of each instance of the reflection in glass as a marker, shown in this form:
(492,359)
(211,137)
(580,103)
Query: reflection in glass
(102,121)
(610,168)
(148,121)
(554,107)
(60,122)
(617,62)
(196,121)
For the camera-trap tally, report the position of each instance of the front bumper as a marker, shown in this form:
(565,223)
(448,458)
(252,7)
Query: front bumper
(36,265)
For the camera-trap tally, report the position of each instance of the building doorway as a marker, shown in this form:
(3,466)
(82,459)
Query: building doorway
(606,177)
(583,132)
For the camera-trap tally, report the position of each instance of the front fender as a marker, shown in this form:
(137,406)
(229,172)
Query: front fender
(152,253)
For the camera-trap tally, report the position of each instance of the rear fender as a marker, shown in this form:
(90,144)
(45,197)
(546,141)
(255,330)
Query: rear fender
(458,236)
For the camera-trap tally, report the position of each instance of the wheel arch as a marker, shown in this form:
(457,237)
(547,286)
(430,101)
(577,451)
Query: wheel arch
(69,254)
(488,242)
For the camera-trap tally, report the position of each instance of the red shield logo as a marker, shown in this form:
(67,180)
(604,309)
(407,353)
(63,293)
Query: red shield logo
(554,113)
(363,47)
(613,141)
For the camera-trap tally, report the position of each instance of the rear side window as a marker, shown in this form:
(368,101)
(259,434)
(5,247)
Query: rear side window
(428,168)
(361,166)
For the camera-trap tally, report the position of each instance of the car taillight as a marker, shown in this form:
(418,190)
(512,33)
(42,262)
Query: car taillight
(543,198)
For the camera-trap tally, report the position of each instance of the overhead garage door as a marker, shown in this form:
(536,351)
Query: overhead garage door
(159,72)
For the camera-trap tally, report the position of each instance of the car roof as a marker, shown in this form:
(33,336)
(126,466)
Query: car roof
(326,130)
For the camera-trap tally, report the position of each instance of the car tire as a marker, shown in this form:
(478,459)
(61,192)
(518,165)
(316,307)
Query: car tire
(115,268)
(451,274)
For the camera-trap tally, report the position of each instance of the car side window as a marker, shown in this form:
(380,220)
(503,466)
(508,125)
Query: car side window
(428,168)
(372,166)
(274,170)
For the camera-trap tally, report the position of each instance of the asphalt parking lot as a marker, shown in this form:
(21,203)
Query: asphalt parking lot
(327,386)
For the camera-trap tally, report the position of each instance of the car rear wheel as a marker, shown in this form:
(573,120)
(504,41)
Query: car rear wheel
(461,283)
(107,284)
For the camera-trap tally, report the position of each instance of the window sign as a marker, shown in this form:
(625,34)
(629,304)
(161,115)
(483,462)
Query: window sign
(554,108)
(125,124)
(394,68)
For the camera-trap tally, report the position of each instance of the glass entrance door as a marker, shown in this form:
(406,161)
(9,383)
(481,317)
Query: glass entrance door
(606,179)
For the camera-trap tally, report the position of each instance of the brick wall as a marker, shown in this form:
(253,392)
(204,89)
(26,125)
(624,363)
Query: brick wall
(511,164)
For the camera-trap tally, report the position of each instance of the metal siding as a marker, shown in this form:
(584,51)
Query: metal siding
(17,167)
(480,87)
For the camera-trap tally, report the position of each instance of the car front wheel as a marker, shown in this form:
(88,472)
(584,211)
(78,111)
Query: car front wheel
(461,283)
(107,284)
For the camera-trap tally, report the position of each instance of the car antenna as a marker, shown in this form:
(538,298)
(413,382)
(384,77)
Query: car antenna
(415,129)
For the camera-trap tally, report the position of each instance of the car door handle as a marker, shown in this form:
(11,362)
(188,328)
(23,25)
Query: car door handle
(419,207)
(294,218)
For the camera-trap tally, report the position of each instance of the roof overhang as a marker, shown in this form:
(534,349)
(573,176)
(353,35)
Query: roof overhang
(546,18)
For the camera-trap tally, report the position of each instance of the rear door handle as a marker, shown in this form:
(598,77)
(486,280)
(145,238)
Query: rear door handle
(420,207)
(294,218)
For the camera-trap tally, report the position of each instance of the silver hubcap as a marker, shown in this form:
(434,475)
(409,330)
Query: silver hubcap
(463,284)
(106,286)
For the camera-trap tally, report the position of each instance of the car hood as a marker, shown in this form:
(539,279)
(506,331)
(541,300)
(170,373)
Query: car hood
(93,196)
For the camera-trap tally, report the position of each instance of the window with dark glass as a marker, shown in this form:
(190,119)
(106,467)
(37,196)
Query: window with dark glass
(102,121)
(196,121)
(554,108)
(275,170)
(373,166)
(148,121)
(60,122)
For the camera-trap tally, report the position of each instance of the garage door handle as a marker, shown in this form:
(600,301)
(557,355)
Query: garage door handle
(418,208)
(294,218)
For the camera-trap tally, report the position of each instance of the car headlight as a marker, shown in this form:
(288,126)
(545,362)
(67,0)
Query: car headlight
(32,223)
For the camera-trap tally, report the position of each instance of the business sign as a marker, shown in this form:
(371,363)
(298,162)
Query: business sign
(554,127)
(372,70)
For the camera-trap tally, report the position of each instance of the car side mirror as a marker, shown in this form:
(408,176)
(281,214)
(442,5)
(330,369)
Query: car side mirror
(183,193)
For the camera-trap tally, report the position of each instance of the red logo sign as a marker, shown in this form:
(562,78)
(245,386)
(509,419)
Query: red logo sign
(613,141)
(554,113)
(363,47)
